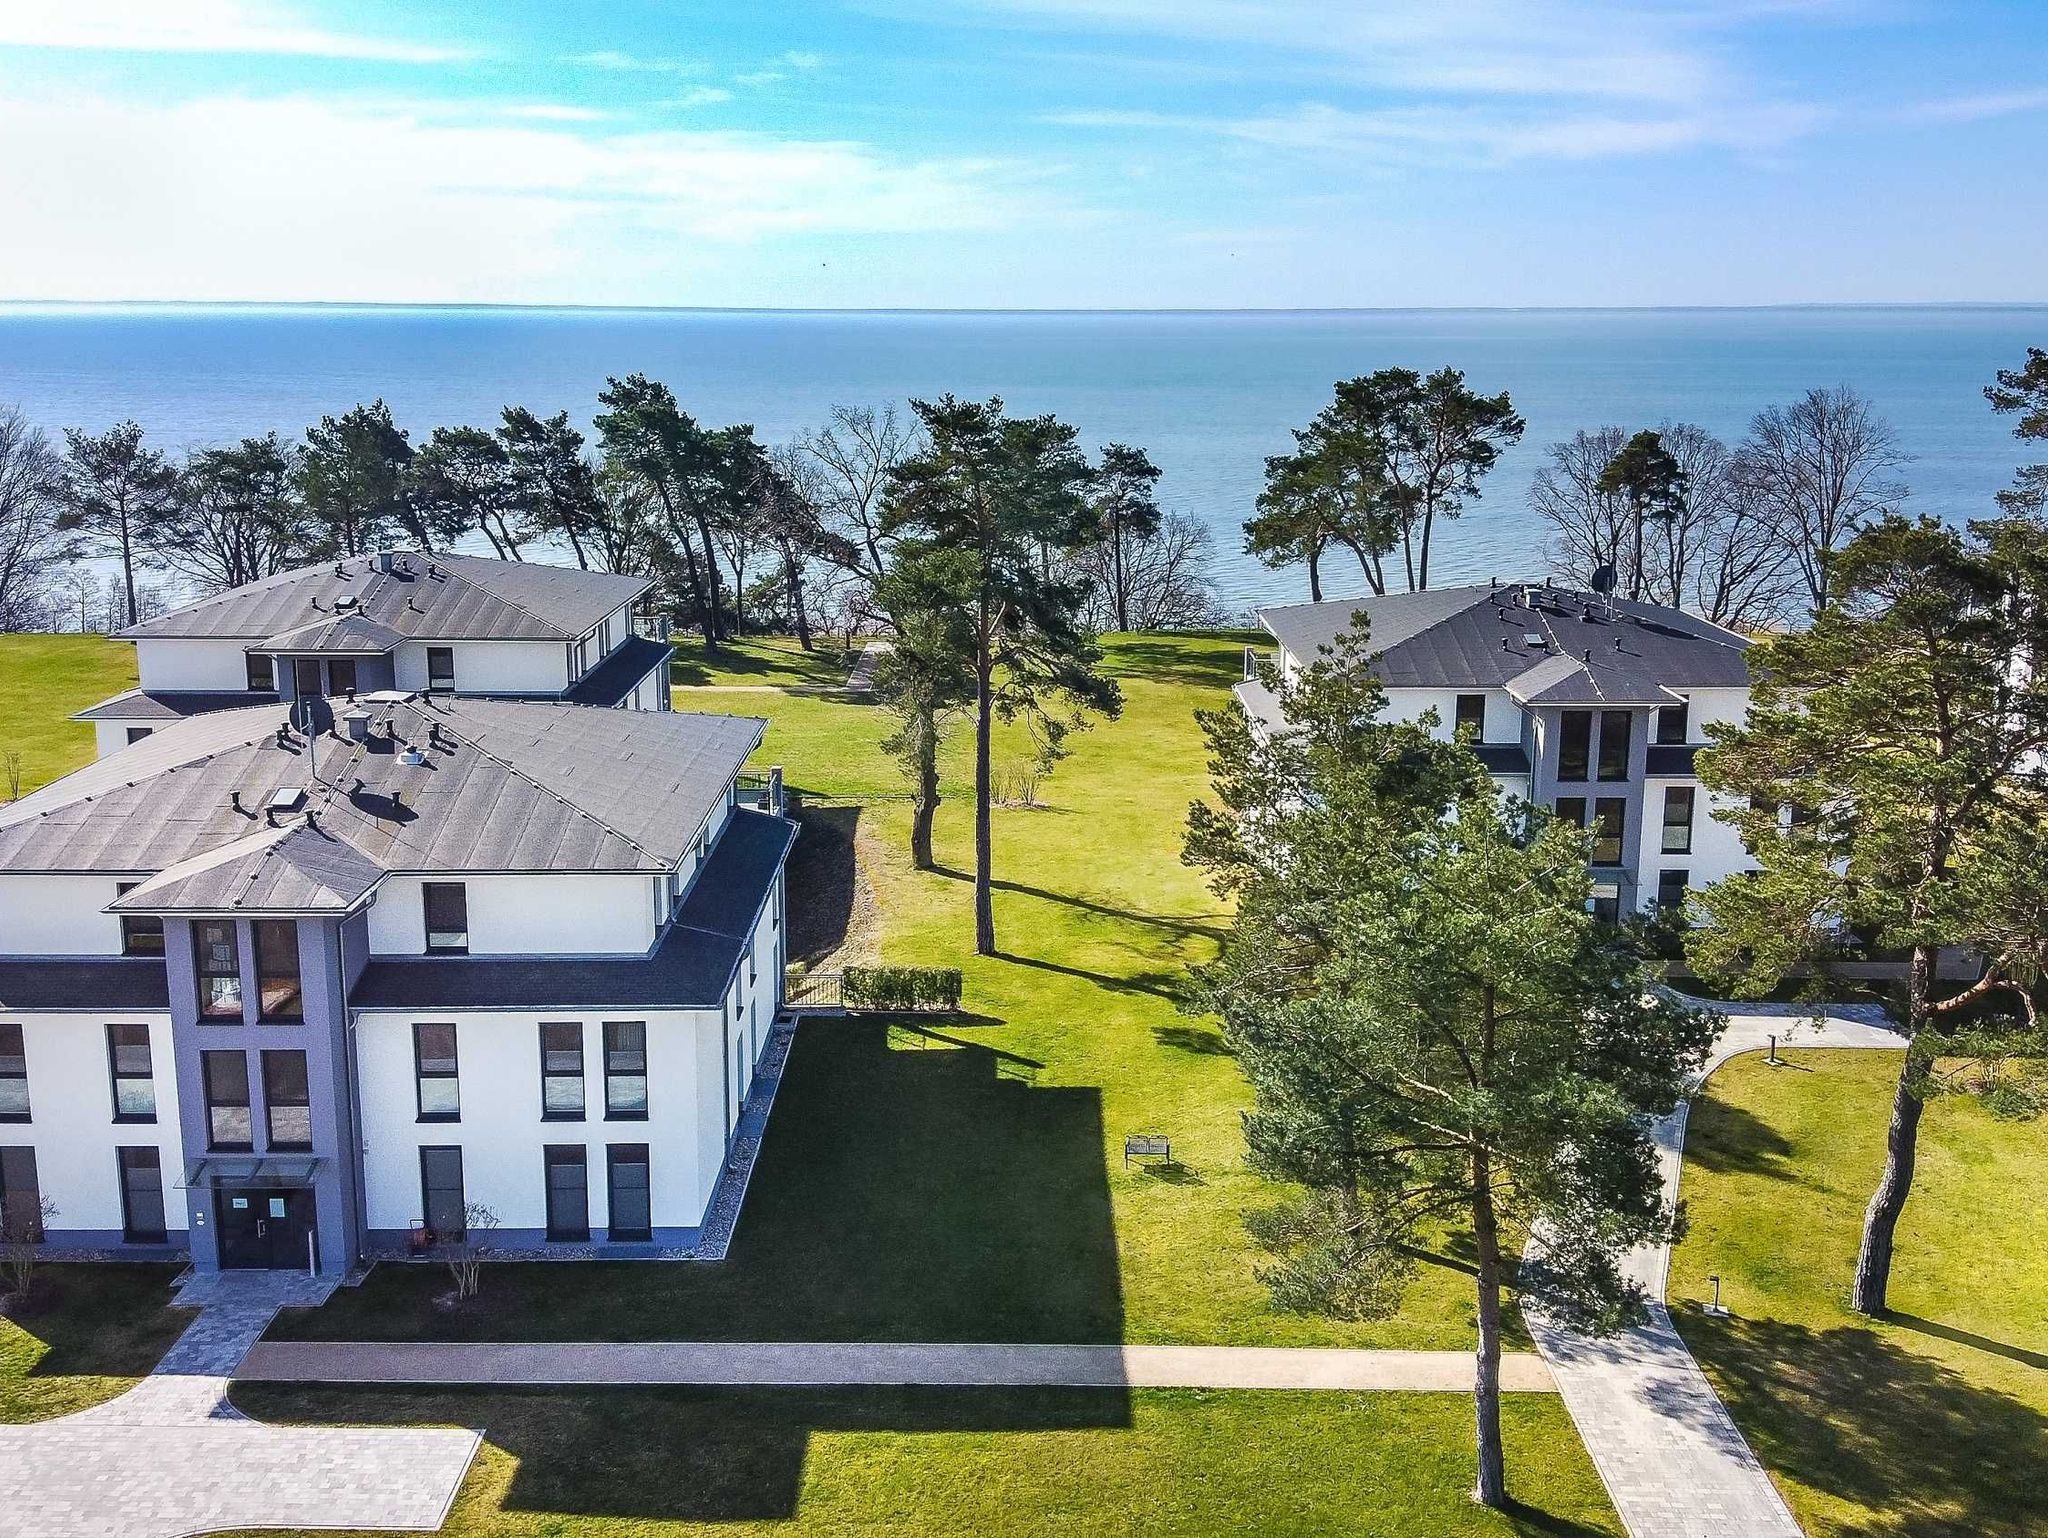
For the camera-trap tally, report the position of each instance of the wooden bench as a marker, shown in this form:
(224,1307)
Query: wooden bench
(1148,1145)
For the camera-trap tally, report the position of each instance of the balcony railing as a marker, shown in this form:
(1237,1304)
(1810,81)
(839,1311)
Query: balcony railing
(761,792)
(651,627)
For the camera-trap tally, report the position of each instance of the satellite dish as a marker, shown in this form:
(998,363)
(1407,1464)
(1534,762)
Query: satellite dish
(1605,577)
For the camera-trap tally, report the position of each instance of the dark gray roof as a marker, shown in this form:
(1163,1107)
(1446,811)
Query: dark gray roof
(433,598)
(348,635)
(168,704)
(98,985)
(293,868)
(1591,679)
(503,786)
(1476,638)
(691,969)
(1502,757)
(617,676)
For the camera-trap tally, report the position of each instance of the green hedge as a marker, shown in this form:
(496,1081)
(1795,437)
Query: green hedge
(900,988)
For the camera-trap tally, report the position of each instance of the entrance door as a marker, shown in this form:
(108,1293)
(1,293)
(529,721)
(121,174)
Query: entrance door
(264,1229)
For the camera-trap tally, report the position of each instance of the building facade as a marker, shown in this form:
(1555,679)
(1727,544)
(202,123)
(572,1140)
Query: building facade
(299,988)
(397,619)
(1591,706)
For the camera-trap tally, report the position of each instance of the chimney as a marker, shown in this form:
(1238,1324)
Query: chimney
(357,724)
(383,560)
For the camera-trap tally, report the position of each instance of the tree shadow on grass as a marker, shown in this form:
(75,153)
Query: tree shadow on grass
(102,1319)
(1723,1136)
(1970,1338)
(1171,660)
(1924,1452)
(823,881)
(1182,926)
(1201,1040)
(1159,984)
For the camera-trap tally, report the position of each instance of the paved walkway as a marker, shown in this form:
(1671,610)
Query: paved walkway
(840,1364)
(1670,1453)
(862,679)
(172,1457)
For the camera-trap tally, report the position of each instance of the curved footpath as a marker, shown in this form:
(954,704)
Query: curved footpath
(1667,1448)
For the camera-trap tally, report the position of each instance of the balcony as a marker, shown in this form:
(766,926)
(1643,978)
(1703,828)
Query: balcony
(760,792)
(651,627)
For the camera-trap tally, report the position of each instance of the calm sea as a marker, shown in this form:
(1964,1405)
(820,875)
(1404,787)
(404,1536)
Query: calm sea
(1210,395)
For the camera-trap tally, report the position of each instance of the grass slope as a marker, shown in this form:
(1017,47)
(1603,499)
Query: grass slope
(105,1329)
(966,1181)
(43,679)
(1934,1422)
(997,1463)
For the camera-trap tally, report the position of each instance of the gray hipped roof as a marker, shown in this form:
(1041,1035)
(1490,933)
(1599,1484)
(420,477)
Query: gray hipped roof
(1546,646)
(501,786)
(423,598)
(292,868)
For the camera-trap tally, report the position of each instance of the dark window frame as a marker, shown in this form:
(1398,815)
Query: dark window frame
(259,672)
(430,892)
(1609,812)
(142,934)
(129,1165)
(1574,746)
(1670,891)
(550,1075)
(1470,710)
(1572,809)
(289,928)
(428,1187)
(1673,724)
(18,1155)
(137,733)
(214,1105)
(202,971)
(622,1073)
(1676,795)
(18,1053)
(341,676)
(422,1075)
(565,1156)
(1613,763)
(116,1073)
(440,683)
(273,1100)
(615,1155)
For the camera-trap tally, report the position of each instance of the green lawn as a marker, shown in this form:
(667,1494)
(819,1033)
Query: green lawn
(995,1463)
(966,1181)
(107,1326)
(43,679)
(773,660)
(1933,1423)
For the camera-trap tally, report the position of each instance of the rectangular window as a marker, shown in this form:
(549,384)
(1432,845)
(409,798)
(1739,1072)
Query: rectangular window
(568,1193)
(1609,813)
(137,733)
(433,1061)
(1614,744)
(441,669)
(1607,909)
(447,908)
(262,675)
(228,1122)
(13,1074)
(218,960)
(134,1078)
(277,970)
(1672,724)
(1472,716)
(442,1206)
(628,1204)
(142,1195)
(1572,809)
(285,1101)
(341,675)
(1671,885)
(1574,744)
(625,1070)
(561,1070)
(1678,803)
(21,1198)
(141,934)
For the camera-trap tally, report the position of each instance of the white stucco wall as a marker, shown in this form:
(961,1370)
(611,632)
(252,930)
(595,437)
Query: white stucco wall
(58,916)
(1710,705)
(1503,715)
(553,915)
(490,667)
(1716,848)
(501,1132)
(72,1126)
(192,664)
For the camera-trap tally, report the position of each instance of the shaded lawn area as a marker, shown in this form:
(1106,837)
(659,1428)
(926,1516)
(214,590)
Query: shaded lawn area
(1934,1422)
(43,679)
(106,1327)
(774,660)
(991,1462)
(967,1182)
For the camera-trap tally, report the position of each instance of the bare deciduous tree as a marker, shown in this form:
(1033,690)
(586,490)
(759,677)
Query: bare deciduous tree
(850,460)
(1820,469)
(32,541)
(466,1255)
(1165,577)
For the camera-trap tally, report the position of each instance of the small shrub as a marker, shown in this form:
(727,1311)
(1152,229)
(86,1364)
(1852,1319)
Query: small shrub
(901,989)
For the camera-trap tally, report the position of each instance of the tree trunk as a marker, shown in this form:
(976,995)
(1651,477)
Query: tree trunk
(128,565)
(1492,1487)
(1901,1147)
(1315,575)
(793,580)
(1428,526)
(925,804)
(984,711)
(1635,576)
(714,620)
(1116,555)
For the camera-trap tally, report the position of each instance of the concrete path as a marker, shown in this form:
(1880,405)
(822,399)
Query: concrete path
(842,1364)
(1666,1446)
(172,1457)
(862,679)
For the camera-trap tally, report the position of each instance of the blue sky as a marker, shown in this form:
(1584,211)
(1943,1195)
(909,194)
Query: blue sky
(1029,153)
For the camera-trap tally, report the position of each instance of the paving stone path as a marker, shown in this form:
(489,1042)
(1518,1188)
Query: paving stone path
(862,679)
(172,1457)
(849,1363)
(1670,1453)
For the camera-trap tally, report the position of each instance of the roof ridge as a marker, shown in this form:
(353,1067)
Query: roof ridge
(482,587)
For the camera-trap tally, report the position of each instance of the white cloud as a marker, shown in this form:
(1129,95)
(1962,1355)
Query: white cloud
(1971,109)
(613,59)
(194,26)
(316,198)
(798,58)
(704,96)
(555,112)
(759,77)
